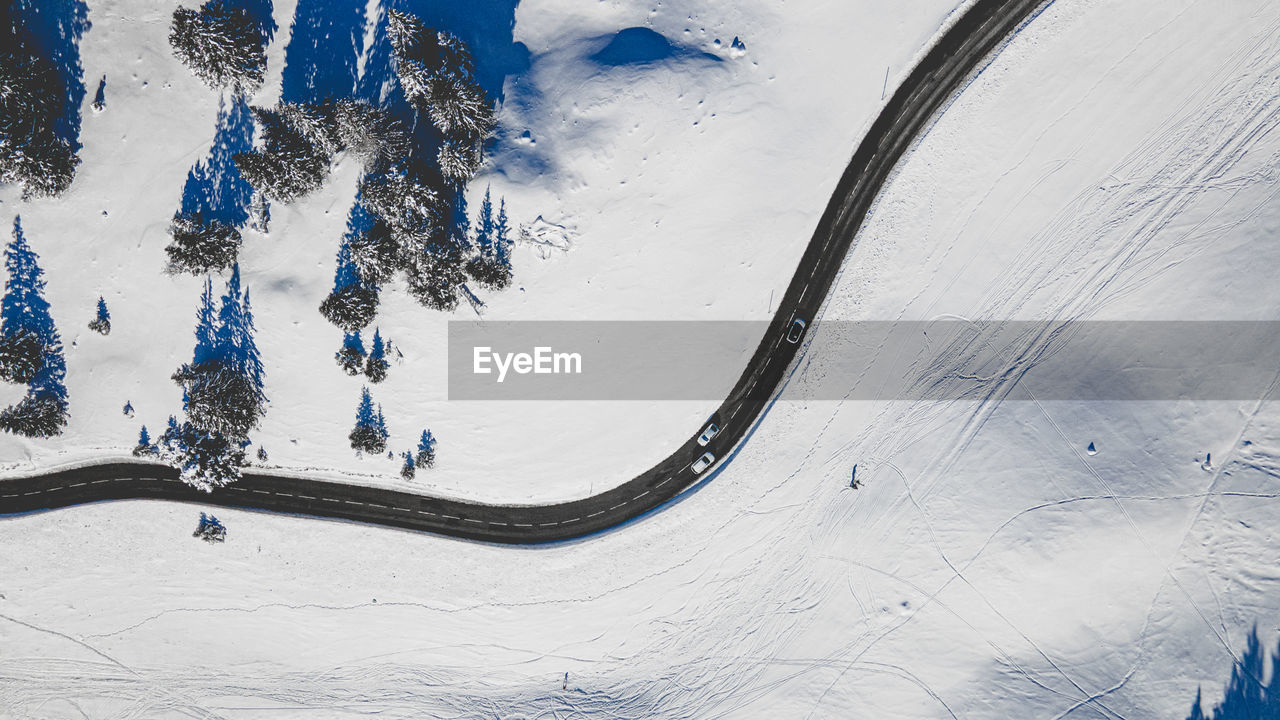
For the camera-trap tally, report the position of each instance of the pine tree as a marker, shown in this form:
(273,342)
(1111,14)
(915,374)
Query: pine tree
(221,45)
(408,471)
(371,248)
(351,356)
(291,163)
(353,303)
(145,447)
(201,245)
(30,347)
(427,449)
(262,454)
(206,329)
(491,267)
(32,150)
(502,243)
(222,392)
(369,434)
(375,367)
(102,323)
(486,231)
(251,359)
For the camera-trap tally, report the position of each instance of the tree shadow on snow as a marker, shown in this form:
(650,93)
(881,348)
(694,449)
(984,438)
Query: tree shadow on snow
(214,187)
(51,30)
(1250,694)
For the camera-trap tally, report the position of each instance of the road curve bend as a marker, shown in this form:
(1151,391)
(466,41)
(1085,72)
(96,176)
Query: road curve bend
(940,75)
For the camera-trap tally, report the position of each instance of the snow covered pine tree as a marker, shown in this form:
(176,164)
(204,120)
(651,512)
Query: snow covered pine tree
(370,433)
(351,356)
(222,392)
(375,367)
(102,322)
(31,102)
(223,45)
(427,449)
(491,266)
(30,347)
(145,447)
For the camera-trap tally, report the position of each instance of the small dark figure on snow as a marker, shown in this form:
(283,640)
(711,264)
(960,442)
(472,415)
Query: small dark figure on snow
(100,97)
(262,454)
(127,409)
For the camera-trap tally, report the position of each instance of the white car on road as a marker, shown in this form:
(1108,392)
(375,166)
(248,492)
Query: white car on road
(711,431)
(703,463)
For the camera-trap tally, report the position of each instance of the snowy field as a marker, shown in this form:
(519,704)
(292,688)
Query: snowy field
(684,189)
(1116,161)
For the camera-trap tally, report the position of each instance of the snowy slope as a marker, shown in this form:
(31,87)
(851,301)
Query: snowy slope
(755,135)
(1116,161)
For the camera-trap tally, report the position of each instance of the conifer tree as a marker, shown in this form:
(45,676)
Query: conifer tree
(408,471)
(34,150)
(144,447)
(427,449)
(223,395)
(375,367)
(102,322)
(30,347)
(353,302)
(370,433)
(351,355)
(223,45)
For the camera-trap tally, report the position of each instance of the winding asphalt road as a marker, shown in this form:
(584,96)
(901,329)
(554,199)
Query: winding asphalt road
(940,75)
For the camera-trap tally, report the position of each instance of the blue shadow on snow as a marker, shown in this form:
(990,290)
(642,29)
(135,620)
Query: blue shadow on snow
(214,187)
(1249,693)
(640,45)
(51,29)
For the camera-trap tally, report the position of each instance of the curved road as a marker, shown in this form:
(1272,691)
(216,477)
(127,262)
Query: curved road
(939,76)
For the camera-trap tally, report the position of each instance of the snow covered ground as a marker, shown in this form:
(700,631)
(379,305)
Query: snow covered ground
(683,188)
(1116,161)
